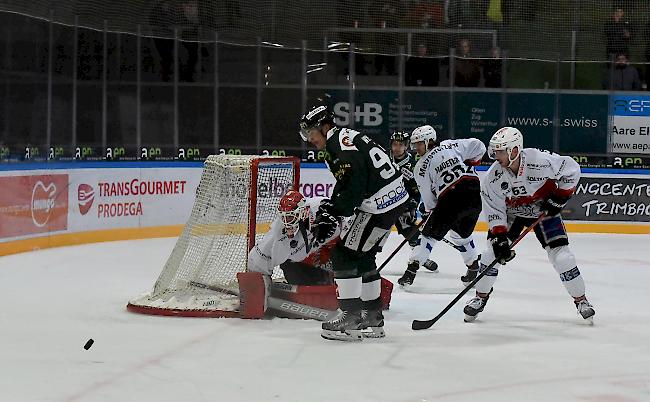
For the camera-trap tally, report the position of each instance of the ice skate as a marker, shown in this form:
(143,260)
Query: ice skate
(346,326)
(586,310)
(372,322)
(409,275)
(475,306)
(472,272)
(431,265)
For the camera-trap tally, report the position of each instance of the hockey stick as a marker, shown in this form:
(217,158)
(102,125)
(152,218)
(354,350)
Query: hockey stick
(406,239)
(277,304)
(417,324)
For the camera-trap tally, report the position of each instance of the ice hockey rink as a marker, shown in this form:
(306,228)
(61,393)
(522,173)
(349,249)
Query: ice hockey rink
(529,344)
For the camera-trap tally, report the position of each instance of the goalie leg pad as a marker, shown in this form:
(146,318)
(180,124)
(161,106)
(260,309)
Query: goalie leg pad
(253,293)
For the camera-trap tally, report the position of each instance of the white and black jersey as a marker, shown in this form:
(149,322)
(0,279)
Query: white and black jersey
(441,168)
(519,194)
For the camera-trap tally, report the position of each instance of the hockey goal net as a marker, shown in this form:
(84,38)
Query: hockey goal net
(236,201)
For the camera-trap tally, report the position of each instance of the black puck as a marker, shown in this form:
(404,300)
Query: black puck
(89,344)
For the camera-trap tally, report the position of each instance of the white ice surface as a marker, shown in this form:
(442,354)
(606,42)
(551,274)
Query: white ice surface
(528,345)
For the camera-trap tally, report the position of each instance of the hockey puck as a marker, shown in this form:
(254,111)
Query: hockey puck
(89,344)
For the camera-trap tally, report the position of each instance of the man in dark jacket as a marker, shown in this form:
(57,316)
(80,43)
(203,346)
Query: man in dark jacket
(622,77)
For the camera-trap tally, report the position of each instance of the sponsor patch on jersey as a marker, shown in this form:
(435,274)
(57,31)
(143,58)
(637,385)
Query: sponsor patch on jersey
(390,198)
(493,217)
(338,175)
(504,186)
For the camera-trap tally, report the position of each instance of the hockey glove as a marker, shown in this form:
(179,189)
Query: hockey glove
(501,247)
(324,227)
(408,218)
(423,211)
(326,205)
(553,205)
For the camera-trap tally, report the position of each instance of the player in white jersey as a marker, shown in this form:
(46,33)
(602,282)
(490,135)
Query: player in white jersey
(520,185)
(289,244)
(450,191)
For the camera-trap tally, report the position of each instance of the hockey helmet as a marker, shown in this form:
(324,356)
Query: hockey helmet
(315,117)
(423,134)
(292,209)
(507,139)
(401,136)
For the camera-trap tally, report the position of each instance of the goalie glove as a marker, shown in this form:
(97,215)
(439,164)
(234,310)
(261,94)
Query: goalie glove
(324,227)
(501,247)
(553,205)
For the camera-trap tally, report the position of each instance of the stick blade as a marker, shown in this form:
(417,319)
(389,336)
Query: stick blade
(418,325)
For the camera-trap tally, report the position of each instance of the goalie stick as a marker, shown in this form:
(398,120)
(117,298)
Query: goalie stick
(418,325)
(277,304)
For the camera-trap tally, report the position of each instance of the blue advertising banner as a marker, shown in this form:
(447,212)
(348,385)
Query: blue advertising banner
(630,124)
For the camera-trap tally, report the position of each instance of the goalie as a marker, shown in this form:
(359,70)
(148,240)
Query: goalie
(288,244)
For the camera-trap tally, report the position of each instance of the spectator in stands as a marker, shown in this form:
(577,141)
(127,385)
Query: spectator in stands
(466,13)
(427,14)
(467,69)
(492,69)
(646,40)
(385,16)
(623,77)
(422,71)
(183,15)
(618,33)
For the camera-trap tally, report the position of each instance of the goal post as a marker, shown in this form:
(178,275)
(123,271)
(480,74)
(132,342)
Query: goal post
(236,201)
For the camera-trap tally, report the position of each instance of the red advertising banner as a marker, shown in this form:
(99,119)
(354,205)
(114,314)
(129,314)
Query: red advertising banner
(33,204)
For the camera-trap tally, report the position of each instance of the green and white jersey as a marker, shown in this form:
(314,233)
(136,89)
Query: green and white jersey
(365,176)
(406,165)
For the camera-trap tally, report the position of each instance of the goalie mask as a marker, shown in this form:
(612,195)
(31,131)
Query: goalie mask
(293,209)
(315,117)
(506,139)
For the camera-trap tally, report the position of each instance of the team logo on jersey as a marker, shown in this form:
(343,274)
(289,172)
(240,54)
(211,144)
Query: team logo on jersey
(293,243)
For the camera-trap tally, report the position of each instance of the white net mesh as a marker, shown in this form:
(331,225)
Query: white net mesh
(214,244)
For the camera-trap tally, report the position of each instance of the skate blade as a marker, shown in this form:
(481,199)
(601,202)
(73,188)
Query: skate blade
(346,336)
(590,319)
(469,318)
(373,332)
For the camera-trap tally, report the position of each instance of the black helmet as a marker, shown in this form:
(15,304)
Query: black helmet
(401,136)
(316,116)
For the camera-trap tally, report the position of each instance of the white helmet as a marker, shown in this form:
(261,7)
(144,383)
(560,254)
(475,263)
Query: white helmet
(423,133)
(507,139)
